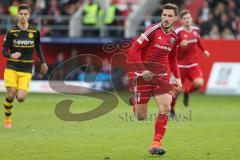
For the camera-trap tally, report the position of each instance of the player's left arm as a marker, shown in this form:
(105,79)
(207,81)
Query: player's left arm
(201,46)
(174,67)
(44,67)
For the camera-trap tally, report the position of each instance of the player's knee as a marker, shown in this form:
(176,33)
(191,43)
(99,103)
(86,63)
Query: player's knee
(178,91)
(11,94)
(198,84)
(165,107)
(20,98)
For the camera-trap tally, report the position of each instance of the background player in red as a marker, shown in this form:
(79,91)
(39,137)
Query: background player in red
(155,52)
(187,56)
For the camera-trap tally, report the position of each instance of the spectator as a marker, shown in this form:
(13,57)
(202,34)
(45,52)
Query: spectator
(147,21)
(203,14)
(126,9)
(225,15)
(53,7)
(218,11)
(227,34)
(39,8)
(60,75)
(13,11)
(73,68)
(207,25)
(236,25)
(214,33)
(232,9)
(156,15)
(105,75)
(110,20)
(89,71)
(106,66)
(90,19)
(224,23)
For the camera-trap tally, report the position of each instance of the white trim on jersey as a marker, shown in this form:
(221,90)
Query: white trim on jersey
(188,66)
(179,29)
(151,29)
(145,37)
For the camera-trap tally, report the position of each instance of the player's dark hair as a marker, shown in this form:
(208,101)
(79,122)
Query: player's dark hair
(23,7)
(184,12)
(171,6)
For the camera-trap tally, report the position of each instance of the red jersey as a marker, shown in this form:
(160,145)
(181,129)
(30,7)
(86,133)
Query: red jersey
(156,49)
(187,55)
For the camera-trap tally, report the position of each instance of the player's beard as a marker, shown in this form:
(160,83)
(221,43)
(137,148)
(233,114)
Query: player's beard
(168,27)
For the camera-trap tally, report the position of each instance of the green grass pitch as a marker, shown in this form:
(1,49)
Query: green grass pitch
(208,130)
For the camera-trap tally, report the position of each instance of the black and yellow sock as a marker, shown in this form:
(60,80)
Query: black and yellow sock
(8,105)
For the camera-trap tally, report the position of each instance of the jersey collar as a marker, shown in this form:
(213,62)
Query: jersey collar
(23,29)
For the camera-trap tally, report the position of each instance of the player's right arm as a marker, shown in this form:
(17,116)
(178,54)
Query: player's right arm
(137,47)
(6,46)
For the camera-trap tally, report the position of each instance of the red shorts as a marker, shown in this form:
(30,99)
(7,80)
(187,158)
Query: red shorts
(190,73)
(143,90)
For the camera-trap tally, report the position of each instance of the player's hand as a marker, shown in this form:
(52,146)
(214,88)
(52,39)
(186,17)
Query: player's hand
(16,55)
(178,84)
(44,68)
(147,75)
(183,43)
(206,53)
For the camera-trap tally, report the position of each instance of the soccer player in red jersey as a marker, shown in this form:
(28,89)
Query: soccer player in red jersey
(187,56)
(154,50)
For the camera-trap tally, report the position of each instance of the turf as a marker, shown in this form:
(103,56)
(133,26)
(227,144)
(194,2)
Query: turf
(209,129)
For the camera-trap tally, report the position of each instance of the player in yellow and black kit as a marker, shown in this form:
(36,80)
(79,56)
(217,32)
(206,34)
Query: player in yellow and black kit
(18,48)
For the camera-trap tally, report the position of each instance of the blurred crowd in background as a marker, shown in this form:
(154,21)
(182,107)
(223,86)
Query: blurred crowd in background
(219,19)
(216,18)
(53,12)
(56,14)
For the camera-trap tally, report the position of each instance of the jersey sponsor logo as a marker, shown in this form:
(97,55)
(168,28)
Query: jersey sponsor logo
(160,37)
(30,35)
(23,42)
(163,47)
(193,41)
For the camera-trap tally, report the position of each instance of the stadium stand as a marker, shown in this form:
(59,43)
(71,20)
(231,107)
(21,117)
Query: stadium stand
(114,19)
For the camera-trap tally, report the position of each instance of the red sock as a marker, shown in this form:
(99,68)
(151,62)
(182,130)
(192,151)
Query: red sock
(160,127)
